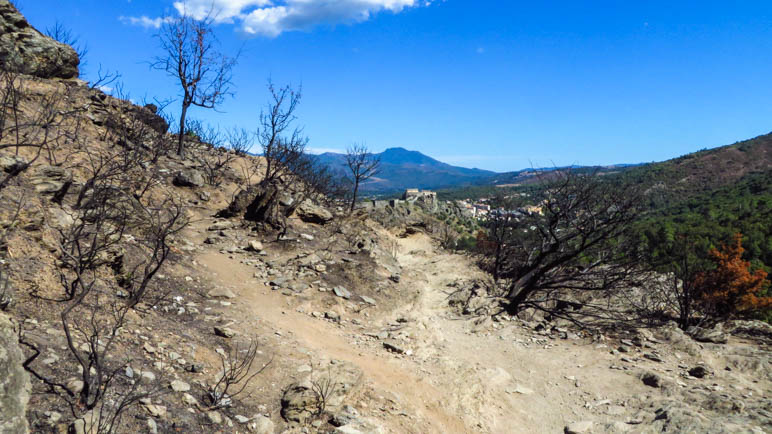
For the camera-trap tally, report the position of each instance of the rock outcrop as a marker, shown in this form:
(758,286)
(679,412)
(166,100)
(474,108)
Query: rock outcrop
(310,212)
(299,404)
(25,50)
(14,381)
(270,203)
(188,178)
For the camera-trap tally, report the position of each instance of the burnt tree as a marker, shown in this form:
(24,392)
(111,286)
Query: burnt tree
(574,241)
(191,56)
(362,165)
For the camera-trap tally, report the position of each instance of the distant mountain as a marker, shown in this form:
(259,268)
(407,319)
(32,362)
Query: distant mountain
(402,169)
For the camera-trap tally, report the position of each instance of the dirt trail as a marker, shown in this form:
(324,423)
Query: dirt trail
(330,341)
(457,381)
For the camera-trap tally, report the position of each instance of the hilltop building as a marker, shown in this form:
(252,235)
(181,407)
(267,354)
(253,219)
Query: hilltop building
(412,194)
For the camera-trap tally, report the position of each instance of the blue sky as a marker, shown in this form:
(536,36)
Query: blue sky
(500,85)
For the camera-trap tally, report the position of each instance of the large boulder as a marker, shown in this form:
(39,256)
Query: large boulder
(25,50)
(14,381)
(310,212)
(263,202)
(188,178)
(299,404)
(239,204)
(716,335)
(12,164)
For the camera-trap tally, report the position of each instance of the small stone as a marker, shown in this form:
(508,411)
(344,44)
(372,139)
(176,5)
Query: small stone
(221,225)
(241,419)
(368,300)
(393,346)
(152,426)
(255,246)
(158,411)
(180,386)
(651,379)
(149,348)
(584,426)
(523,390)
(698,372)
(76,386)
(214,417)
(342,292)
(262,425)
(332,315)
(307,237)
(174,356)
(298,287)
(224,332)
(221,293)
(188,399)
(653,357)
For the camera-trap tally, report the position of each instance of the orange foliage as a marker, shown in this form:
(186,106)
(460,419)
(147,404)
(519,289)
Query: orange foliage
(484,245)
(731,289)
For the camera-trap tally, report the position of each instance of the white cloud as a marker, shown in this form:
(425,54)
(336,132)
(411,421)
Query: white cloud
(143,21)
(220,10)
(273,17)
(296,15)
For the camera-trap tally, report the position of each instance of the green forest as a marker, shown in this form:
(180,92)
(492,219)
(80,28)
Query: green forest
(712,218)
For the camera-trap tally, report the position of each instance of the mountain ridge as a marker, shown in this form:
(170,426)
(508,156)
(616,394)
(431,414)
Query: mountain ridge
(402,168)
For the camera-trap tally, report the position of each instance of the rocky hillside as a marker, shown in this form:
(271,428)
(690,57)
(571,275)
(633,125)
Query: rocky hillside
(133,303)
(681,178)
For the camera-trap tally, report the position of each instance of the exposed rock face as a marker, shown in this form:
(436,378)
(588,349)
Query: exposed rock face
(270,203)
(149,116)
(715,335)
(266,203)
(51,180)
(12,165)
(26,50)
(14,381)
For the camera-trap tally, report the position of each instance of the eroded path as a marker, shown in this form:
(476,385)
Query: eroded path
(459,376)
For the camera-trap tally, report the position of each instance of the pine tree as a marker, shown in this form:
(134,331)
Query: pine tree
(731,289)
